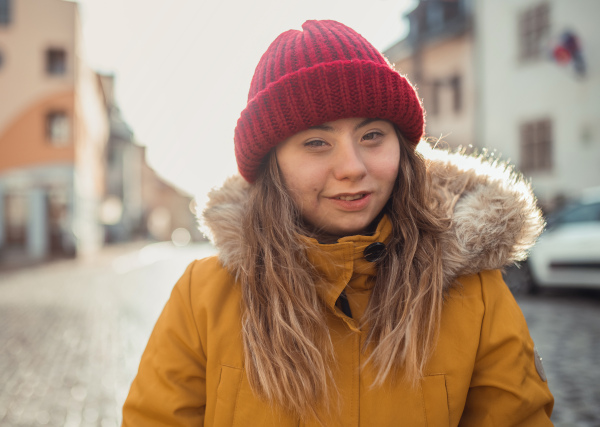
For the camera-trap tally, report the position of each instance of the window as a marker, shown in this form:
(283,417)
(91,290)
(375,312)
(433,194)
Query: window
(15,213)
(452,10)
(534,29)
(56,61)
(536,146)
(58,128)
(57,218)
(434,16)
(4,12)
(455,84)
(436,88)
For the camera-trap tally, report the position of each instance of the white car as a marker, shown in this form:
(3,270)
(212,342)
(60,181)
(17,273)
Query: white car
(567,253)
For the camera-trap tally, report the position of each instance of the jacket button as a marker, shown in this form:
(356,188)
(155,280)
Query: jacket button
(374,252)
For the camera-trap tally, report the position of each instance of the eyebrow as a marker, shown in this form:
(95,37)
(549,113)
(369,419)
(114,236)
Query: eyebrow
(331,129)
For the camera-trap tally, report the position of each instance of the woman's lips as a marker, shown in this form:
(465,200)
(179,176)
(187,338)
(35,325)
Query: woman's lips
(351,202)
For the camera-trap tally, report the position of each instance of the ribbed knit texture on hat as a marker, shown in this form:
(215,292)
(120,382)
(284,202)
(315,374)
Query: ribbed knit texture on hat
(324,73)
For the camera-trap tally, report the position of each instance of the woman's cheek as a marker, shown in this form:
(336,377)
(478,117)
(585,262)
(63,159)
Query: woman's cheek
(389,169)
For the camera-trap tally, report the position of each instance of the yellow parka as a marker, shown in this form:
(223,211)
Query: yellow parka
(483,372)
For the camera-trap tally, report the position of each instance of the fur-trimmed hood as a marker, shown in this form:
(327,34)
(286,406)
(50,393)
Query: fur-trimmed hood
(495,219)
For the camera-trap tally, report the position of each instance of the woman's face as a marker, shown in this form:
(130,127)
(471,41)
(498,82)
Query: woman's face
(341,173)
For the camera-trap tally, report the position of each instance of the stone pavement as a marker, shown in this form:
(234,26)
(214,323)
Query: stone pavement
(72,334)
(565,326)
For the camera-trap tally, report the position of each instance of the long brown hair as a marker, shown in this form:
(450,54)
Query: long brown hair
(288,349)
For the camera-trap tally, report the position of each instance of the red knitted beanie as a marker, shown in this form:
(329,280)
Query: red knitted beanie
(321,74)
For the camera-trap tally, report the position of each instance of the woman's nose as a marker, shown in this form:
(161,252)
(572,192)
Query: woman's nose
(349,163)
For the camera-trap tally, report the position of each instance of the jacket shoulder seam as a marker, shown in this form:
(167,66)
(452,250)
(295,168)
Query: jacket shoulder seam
(192,265)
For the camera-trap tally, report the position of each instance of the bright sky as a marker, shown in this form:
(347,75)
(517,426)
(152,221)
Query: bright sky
(183,68)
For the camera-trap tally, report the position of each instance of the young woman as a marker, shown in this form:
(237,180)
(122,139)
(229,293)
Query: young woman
(356,282)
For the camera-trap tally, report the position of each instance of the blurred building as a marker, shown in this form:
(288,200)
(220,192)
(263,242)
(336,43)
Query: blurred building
(122,211)
(518,77)
(169,214)
(53,133)
(538,68)
(72,177)
(138,203)
(437,57)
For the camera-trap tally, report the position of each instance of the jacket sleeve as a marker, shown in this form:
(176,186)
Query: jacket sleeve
(506,388)
(170,387)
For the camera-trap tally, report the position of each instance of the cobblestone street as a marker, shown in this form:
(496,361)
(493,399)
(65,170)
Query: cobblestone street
(73,332)
(565,326)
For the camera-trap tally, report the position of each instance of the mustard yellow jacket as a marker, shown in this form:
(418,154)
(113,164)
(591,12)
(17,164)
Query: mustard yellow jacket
(483,372)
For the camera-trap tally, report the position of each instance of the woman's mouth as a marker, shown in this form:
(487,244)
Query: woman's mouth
(351,202)
(350,197)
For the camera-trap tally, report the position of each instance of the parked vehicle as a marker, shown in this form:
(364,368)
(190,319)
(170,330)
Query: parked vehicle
(567,253)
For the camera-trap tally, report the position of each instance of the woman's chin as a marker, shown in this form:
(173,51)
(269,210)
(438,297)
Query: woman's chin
(332,235)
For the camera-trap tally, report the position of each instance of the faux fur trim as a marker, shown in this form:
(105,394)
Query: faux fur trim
(495,219)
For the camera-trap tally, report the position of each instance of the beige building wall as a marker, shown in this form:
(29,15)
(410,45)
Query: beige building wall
(515,91)
(440,61)
(36,26)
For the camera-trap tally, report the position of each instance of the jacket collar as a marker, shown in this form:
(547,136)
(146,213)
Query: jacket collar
(336,263)
(495,219)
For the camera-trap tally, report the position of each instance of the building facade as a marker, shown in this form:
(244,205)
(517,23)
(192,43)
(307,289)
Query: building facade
(139,203)
(122,211)
(437,57)
(53,134)
(538,70)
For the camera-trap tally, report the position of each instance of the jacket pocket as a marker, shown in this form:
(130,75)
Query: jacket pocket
(435,398)
(237,405)
(227,394)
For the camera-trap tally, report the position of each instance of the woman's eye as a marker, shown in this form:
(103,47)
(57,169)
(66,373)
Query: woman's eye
(372,135)
(315,143)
